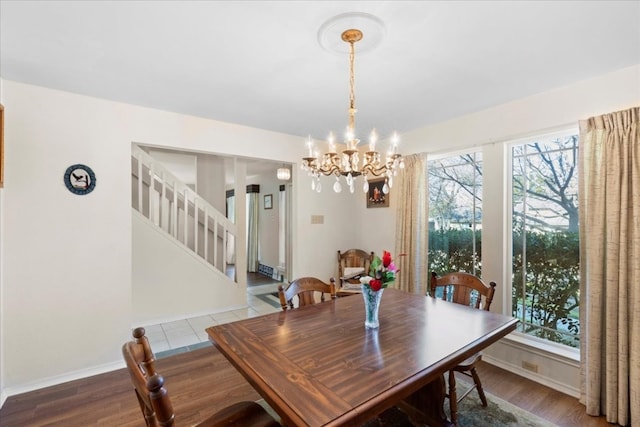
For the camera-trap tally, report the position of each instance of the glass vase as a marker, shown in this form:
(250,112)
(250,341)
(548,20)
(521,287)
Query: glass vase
(371,306)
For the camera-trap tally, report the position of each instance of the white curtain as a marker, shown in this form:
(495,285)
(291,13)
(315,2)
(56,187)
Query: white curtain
(282,223)
(609,179)
(412,226)
(231,239)
(253,209)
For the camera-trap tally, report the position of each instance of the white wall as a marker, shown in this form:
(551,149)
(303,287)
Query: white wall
(210,180)
(66,275)
(171,283)
(340,214)
(531,115)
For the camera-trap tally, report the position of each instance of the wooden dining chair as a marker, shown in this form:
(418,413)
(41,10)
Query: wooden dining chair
(305,289)
(154,399)
(353,263)
(466,289)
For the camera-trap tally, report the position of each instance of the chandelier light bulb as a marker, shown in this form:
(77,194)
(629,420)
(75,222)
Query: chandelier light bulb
(348,137)
(373,138)
(332,144)
(394,143)
(310,146)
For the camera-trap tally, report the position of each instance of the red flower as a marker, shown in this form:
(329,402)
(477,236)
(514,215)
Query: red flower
(375,284)
(386,259)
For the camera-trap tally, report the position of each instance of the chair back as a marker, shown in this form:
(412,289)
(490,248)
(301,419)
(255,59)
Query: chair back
(148,384)
(154,399)
(463,288)
(352,259)
(305,288)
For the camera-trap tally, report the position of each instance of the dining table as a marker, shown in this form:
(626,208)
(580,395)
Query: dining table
(319,366)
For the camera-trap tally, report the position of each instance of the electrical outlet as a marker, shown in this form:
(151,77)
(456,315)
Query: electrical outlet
(317,219)
(530,366)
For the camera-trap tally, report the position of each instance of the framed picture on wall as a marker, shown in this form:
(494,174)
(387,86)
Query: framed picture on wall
(375,197)
(268,201)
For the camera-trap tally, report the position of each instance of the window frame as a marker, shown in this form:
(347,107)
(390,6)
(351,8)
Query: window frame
(551,347)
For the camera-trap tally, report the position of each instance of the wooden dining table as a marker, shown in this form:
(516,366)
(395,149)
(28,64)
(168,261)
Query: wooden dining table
(319,366)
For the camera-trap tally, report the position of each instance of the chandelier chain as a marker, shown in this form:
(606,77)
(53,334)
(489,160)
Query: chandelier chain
(352,92)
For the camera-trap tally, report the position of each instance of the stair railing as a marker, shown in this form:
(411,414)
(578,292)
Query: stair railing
(178,210)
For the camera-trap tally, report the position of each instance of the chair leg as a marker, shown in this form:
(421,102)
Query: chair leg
(453,398)
(476,380)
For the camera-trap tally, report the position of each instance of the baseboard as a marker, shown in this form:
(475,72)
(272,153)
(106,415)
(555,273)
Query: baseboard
(3,398)
(549,382)
(60,379)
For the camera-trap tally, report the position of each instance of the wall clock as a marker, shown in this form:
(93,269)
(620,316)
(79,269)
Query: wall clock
(80,179)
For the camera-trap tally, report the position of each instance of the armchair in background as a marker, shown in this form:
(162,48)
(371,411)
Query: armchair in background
(305,288)
(352,264)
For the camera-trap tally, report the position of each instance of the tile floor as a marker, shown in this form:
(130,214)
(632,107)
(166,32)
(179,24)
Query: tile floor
(188,334)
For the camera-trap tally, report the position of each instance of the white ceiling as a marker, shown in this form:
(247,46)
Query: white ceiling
(259,63)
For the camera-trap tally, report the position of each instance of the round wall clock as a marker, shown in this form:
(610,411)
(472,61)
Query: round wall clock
(80,179)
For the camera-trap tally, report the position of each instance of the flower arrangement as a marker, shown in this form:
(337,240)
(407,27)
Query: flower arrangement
(381,273)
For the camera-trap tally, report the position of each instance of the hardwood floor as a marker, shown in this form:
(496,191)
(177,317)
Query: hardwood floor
(203,381)
(257,279)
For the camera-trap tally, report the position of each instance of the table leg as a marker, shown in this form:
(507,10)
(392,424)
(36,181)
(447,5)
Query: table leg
(427,404)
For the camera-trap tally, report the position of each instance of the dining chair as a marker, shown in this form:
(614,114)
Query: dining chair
(154,399)
(305,289)
(466,289)
(353,263)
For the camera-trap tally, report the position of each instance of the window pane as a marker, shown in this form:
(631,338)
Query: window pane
(455,213)
(545,288)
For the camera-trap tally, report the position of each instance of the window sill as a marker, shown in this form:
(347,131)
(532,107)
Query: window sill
(544,348)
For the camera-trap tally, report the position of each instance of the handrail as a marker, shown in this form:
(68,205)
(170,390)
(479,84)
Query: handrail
(174,207)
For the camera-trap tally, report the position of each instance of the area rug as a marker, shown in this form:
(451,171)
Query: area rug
(498,413)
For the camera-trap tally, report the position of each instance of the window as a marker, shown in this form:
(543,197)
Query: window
(455,213)
(545,243)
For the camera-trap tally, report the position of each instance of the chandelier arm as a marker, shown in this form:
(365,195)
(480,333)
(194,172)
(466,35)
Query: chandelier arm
(369,169)
(328,170)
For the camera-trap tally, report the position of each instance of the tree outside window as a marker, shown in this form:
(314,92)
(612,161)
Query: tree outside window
(545,268)
(455,213)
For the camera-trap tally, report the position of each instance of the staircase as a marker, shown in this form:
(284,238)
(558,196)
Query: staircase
(180,212)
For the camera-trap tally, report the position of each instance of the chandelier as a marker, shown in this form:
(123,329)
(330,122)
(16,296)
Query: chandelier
(347,163)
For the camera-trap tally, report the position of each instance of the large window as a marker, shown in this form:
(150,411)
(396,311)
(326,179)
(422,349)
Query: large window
(545,265)
(455,213)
